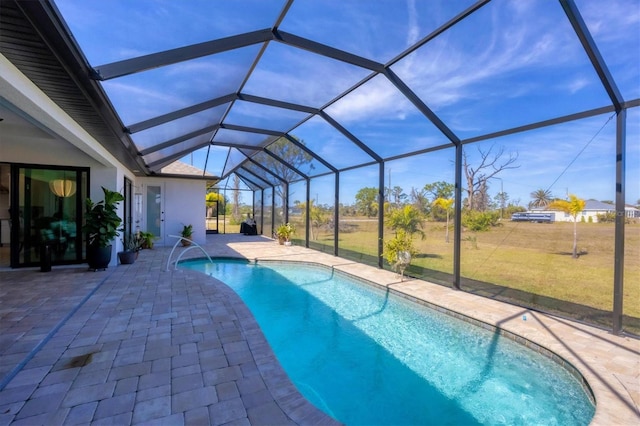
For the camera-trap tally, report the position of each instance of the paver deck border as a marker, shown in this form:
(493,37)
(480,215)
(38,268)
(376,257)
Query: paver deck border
(610,364)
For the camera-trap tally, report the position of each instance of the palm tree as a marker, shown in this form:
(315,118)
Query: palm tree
(317,217)
(541,198)
(446,204)
(407,218)
(572,207)
(399,250)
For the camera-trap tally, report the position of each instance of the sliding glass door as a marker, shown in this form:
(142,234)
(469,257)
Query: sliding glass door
(46,210)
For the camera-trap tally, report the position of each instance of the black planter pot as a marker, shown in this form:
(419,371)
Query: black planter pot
(127,257)
(98,257)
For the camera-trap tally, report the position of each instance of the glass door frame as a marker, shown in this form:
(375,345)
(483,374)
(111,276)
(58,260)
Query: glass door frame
(127,221)
(158,228)
(18,244)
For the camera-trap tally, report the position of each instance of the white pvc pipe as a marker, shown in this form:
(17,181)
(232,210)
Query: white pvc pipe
(180,238)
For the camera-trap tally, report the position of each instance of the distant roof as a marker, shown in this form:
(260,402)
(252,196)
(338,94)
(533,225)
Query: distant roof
(598,205)
(589,205)
(181,168)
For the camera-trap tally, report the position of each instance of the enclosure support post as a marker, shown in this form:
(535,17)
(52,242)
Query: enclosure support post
(336,215)
(253,204)
(273,209)
(308,213)
(262,212)
(381,214)
(285,203)
(618,271)
(457,229)
(224,216)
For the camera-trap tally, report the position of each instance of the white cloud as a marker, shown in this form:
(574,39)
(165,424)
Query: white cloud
(413,30)
(457,64)
(624,14)
(376,99)
(577,84)
(293,75)
(136,103)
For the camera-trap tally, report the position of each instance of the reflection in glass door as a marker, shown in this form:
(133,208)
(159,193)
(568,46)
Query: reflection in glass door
(155,213)
(127,222)
(212,206)
(46,210)
(5,219)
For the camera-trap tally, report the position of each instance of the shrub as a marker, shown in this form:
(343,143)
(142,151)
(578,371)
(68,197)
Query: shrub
(609,217)
(473,240)
(438,214)
(509,210)
(235,220)
(480,221)
(397,249)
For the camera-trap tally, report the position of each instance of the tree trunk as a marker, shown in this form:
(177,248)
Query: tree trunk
(470,201)
(575,237)
(446,235)
(477,178)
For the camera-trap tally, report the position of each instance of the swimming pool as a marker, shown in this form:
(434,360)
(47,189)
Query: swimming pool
(365,356)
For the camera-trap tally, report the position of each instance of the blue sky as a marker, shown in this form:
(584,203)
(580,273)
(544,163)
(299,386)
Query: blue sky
(509,64)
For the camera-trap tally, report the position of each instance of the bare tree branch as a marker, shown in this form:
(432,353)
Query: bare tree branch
(491,163)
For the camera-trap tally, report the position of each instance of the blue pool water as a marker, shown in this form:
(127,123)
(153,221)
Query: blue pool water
(369,358)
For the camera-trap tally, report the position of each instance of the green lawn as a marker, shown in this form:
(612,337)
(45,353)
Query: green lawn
(532,257)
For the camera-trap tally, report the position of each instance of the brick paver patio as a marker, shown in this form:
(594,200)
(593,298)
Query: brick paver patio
(146,347)
(139,345)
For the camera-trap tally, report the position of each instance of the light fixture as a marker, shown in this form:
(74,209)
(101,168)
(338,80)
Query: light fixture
(63,187)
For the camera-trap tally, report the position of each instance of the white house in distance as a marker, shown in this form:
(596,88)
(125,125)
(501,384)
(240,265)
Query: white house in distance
(592,209)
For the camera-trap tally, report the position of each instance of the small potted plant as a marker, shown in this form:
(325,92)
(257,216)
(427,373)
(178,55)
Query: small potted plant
(131,244)
(187,232)
(147,239)
(284,233)
(101,226)
(398,252)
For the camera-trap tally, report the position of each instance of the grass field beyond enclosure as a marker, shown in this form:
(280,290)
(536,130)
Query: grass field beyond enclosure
(534,258)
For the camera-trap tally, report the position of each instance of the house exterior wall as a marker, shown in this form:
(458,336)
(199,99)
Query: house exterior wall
(51,137)
(20,94)
(183,204)
(585,215)
(630,212)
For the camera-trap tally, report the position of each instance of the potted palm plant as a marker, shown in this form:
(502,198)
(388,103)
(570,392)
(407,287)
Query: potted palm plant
(187,232)
(284,233)
(101,226)
(399,251)
(147,239)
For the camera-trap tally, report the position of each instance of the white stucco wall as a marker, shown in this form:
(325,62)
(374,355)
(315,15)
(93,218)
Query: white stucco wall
(183,204)
(45,135)
(17,92)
